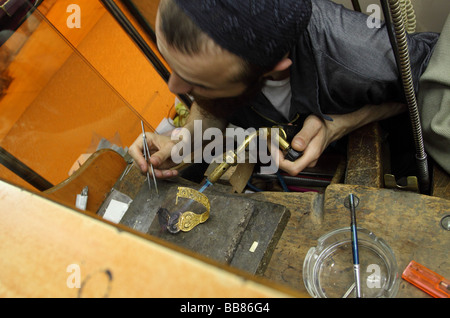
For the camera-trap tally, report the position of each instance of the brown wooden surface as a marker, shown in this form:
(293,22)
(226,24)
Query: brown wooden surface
(99,173)
(365,157)
(408,222)
(286,264)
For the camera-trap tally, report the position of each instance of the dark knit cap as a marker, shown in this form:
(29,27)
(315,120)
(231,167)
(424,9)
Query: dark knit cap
(259,31)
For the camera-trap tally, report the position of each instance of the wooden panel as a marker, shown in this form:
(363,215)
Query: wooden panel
(100,172)
(365,157)
(408,222)
(286,264)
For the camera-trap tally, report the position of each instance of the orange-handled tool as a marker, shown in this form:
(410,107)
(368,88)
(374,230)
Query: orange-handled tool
(427,280)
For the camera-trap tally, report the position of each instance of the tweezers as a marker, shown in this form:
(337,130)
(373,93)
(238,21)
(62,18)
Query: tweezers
(147,159)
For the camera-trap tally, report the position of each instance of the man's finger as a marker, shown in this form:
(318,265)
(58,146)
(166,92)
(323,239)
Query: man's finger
(135,151)
(311,127)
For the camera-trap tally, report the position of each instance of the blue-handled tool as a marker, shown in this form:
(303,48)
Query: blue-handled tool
(355,250)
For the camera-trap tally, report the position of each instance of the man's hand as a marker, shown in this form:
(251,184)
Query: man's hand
(312,140)
(161,146)
(160,149)
(317,134)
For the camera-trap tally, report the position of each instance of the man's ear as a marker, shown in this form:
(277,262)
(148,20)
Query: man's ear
(281,66)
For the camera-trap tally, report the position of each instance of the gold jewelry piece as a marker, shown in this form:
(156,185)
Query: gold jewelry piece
(188,220)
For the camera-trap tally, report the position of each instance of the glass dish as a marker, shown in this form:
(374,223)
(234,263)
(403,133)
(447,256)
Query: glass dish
(328,267)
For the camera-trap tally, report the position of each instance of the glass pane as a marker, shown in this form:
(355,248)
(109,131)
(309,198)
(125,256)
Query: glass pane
(147,10)
(57,106)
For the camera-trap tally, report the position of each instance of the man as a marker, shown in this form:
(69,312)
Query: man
(309,64)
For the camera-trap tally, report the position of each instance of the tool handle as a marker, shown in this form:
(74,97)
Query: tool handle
(292,154)
(427,280)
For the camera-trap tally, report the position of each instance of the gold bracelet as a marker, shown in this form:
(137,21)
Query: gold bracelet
(188,220)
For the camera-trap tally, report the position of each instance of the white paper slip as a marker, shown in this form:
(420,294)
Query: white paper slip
(115,211)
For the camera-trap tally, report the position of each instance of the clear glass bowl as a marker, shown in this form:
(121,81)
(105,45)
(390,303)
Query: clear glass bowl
(328,267)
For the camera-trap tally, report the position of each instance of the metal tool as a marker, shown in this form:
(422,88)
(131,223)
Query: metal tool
(147,159)
(348,292)
(230,158)
(355,249)
(286,148)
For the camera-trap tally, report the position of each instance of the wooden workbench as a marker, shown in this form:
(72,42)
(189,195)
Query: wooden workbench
(408,222)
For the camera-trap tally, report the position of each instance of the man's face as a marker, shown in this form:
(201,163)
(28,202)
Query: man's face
(209,74)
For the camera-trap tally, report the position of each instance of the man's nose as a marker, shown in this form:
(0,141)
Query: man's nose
(178,85)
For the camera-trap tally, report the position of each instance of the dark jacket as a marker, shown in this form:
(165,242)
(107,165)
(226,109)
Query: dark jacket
(340,65)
